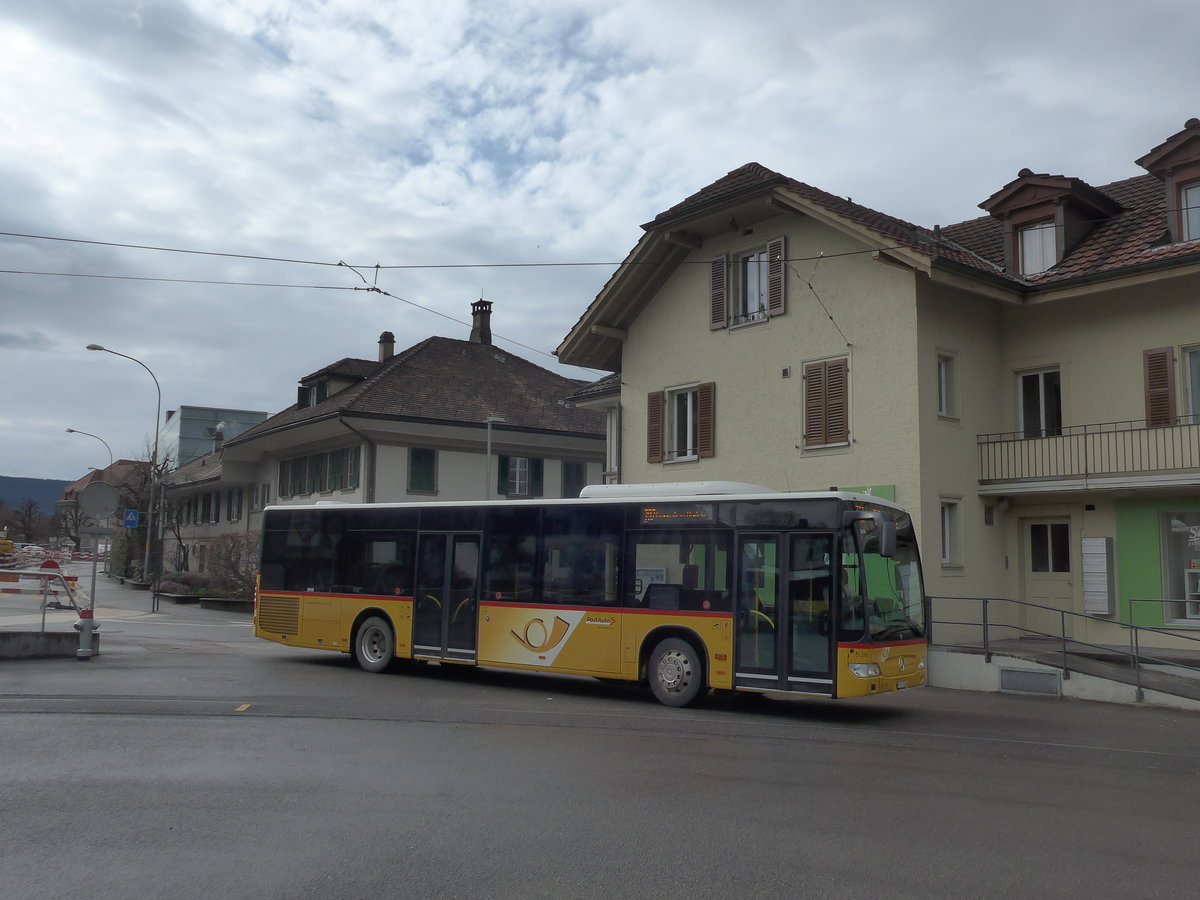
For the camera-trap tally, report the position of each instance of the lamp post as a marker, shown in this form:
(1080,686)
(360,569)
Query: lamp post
(97,437)
(153,453)
(487,465)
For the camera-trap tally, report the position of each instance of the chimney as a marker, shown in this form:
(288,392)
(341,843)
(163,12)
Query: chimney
(218,436)
(387,346)
(481,322)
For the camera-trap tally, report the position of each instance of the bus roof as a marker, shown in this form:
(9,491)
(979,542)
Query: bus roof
(681,492)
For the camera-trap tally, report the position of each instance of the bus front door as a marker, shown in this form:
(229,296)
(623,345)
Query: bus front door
(783,613)
(446,605)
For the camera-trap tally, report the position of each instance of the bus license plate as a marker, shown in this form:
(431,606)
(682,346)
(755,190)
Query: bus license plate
(901,685)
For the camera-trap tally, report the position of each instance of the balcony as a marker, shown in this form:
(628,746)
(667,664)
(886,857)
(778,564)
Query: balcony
(1078,457)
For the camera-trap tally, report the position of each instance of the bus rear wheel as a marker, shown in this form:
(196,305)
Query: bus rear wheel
(374,645)
(676,674)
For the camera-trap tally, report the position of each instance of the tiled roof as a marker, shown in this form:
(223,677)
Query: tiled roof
(350,367)
(116,474)
(609,384)
(446,380)
(1132,237)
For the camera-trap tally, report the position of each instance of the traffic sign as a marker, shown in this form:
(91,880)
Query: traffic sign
(130,520)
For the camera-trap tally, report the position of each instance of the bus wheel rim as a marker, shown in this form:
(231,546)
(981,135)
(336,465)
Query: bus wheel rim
(674,671)
(372,644)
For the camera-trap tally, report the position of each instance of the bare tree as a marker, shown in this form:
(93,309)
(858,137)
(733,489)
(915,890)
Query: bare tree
(29,518)
(173,515)
(233,563)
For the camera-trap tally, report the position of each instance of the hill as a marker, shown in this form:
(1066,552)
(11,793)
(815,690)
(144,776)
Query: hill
(46,491)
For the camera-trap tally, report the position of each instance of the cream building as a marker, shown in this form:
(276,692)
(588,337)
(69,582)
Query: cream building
(1026,383)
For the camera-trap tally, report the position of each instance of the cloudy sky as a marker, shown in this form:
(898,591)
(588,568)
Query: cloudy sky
(479,148)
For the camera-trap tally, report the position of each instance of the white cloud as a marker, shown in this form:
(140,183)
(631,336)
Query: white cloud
(466,132)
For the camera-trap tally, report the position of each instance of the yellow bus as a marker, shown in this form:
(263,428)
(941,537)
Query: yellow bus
(684,587)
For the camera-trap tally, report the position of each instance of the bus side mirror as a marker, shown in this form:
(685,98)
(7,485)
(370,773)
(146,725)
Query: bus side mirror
(879,536)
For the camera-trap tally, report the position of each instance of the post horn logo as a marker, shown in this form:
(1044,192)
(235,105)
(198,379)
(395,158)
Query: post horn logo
(535,630)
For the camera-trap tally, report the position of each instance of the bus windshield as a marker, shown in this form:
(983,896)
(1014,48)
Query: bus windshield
(896,609)
(888,589)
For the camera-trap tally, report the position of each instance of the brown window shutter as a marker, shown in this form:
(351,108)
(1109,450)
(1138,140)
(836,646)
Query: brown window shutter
(706,419)
(827,403)
(717,294)
(776,299)
(654,426)
(837,401)
(814,404)
(1160,386)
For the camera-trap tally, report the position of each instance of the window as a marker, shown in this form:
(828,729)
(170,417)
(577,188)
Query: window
(1050,547)
(574,478)
(1040,403)
(422,470)
(827,403)
(1191,369)
(681,423)
(296,476)
(759,288)
(1036,246)
(266,494)
(751,300)
(945,382)
(951,555)
(233,510)
(519,476)
(1180,535)
(1189,198)
(254,497)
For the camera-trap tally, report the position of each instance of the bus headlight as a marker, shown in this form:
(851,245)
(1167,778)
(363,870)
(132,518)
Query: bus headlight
(921,663)
(864,670)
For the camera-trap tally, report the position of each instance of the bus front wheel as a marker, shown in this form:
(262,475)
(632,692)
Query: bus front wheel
(374,646)
(676,674)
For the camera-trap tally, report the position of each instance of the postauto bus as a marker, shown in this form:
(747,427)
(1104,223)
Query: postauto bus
(685,587)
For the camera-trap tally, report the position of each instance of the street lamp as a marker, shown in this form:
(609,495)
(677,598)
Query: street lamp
(97,437)
(153,453)
(487,465)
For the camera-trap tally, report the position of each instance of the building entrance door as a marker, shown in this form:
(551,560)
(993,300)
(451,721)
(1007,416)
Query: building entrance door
(1046,577)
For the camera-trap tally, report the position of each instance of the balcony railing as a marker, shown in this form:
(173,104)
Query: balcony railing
(1108,450)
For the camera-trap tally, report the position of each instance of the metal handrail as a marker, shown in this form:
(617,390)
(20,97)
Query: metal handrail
(1135,654)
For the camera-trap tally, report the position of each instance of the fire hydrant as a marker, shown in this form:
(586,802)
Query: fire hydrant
(85,626)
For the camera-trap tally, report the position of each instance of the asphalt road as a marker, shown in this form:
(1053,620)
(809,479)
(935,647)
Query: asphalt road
(191,760)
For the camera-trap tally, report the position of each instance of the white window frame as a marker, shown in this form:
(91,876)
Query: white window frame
(1189,210)
(951,537)
(518,475)
(750,302)
(683,412)
(947,405)
(1037,247)
(1040,427)
(1191,377)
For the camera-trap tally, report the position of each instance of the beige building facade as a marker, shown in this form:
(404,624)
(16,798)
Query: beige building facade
(1027,383)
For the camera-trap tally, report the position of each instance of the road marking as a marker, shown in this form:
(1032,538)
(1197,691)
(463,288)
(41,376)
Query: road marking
(243,707)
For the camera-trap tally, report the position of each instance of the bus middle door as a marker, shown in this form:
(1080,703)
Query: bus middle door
(446,605)
(783,612)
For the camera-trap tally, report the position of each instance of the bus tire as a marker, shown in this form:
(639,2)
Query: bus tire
(374,645)
(676,673)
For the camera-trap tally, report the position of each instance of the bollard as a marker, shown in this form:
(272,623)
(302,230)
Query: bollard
(85,626)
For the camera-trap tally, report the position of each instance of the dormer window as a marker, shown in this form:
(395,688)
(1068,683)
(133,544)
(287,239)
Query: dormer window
(1189,201)
(1036,247)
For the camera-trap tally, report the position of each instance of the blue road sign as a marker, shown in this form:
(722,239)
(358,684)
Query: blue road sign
(131,518)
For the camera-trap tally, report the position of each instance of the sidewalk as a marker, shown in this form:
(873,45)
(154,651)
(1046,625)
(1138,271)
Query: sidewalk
(22,612)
